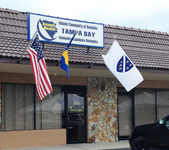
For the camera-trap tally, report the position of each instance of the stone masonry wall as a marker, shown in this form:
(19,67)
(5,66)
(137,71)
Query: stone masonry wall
(0,106)
(102,110)
(0,115)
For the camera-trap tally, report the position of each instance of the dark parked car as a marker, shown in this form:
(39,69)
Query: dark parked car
(155,135)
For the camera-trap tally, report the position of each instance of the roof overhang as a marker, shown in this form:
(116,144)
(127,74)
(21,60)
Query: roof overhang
(76,69)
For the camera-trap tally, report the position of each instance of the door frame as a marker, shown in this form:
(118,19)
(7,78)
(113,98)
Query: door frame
(69,89)
(131,94)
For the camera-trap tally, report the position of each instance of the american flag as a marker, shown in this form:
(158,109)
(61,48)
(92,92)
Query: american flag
(43,84)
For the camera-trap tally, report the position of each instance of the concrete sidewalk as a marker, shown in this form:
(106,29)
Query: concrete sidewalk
(121,145)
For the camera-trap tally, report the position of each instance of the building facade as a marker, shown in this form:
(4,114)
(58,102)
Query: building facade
(89,107)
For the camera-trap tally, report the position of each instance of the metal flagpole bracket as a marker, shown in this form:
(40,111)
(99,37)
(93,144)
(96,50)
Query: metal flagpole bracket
(87,50)
(58,62)
(43,46)
(104,50)
(30,42)
(93,62)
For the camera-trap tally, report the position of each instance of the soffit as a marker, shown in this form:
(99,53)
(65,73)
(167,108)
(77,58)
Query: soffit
(53,70)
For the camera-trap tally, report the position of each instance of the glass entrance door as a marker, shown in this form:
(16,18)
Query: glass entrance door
(125,115)
(76,116)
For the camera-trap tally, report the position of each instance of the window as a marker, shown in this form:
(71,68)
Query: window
(162,103)
(50,111)
(125,113)
(22,109)
(17,106)
(145,110)
(147,106)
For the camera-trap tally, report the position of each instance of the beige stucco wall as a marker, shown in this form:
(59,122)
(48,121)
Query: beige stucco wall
(33,138)
(154,84)
(28,78)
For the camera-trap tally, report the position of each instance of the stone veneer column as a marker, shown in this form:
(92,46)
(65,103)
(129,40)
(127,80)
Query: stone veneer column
(102,110)
(0,107)
(0,115)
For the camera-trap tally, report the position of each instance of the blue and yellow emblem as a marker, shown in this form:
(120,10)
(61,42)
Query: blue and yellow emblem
(124,64)
(49,28)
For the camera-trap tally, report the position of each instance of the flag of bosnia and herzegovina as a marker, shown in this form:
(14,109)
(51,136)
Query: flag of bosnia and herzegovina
(65,62)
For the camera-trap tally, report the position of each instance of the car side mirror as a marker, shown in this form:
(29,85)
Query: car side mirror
(161,122)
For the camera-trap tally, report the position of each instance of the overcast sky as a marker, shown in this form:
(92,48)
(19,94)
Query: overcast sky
(143,14)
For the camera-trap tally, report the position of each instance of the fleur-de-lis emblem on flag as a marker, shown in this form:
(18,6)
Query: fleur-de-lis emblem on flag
(124,64)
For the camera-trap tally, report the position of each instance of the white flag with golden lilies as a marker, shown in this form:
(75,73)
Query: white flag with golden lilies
(122,67)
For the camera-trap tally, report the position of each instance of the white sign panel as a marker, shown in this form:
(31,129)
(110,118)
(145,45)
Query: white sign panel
(59,30)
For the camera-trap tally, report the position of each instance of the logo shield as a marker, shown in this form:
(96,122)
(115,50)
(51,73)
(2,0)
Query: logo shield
(124,64)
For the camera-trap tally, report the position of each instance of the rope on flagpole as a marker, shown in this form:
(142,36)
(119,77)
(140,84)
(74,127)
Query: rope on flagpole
(102,52)
(30,42)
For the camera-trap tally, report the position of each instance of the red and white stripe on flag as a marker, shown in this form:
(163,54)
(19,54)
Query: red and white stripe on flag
(41,76)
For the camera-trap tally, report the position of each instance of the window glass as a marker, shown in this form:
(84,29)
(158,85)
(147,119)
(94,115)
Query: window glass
(125,115)
(20,111)
(17,102)
(145,110)
(76,114)
(50,111)
(162,103)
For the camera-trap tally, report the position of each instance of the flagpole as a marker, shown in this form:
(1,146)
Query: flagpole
(109,44)
(67,46)
(30,42)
